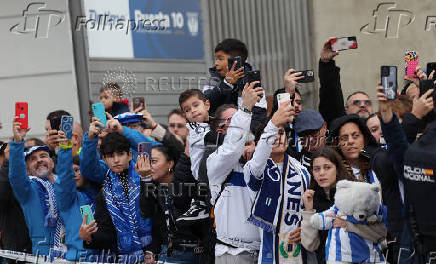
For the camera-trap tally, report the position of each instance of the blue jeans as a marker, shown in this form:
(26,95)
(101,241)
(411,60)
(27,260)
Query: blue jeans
(178,256)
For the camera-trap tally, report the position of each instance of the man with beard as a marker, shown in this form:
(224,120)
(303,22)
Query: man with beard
(31,178)
(359,103)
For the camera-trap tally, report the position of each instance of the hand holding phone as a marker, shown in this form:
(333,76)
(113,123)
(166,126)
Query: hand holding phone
(411,60)
(138,103)
(308,76)
(144,148)
(100,113)
(283,99)
(87,210)
(343,43)
(236,71)
(389,81)
(21,111)
(143,163)
(67,123)
(253,76)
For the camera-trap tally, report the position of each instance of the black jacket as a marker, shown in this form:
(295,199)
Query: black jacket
(331,98)
(15,235)
(412,126)
(417,164)
(219,93)
(383,167)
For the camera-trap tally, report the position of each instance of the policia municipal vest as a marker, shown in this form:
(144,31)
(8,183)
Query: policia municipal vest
(420,190)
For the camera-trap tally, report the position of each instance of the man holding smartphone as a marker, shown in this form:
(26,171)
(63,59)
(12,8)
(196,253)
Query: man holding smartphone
(31,174)
(331,99)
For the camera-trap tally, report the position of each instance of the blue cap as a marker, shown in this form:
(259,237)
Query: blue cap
(308,119)
(128,118)
(34,149)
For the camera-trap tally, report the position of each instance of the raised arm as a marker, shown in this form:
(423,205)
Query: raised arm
(65,186)
(19,180)
(254,168)
(91,166)
(392,131)
(220,163)
(331,99)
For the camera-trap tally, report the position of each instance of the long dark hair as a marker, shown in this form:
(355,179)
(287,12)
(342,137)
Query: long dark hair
(329,153)
(169,153)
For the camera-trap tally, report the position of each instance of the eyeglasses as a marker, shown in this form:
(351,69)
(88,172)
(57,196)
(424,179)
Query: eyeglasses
(173,125)
(359,102)
(224,122)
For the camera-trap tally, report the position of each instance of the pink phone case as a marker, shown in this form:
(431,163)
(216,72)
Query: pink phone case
(411,59)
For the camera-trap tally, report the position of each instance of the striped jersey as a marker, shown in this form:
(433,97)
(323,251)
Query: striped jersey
(348,246)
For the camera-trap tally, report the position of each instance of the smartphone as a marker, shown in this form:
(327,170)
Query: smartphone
(389,81)
(86,210)
(431,66)
(253,76)
(282,98)
(145,148)
(55,123)
(22,112)
(411,60)
(67,126)
(425,85)
(232,60)
(100,113)
(343,43)
(308,76)
(138,102)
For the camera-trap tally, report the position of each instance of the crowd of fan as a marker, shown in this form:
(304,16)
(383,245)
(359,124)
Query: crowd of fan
(227,183)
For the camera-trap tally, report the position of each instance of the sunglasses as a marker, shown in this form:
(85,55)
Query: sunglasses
(359,102)
(173,125)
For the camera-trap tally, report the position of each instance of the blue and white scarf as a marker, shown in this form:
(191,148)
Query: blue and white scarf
(52,216)
(133,232)
(266,208)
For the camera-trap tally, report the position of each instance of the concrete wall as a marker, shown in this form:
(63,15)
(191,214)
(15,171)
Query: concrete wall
(276,33)
(159,81)
(411,26)
(36,65)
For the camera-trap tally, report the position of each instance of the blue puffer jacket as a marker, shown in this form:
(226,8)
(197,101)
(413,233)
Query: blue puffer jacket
(69,200)
(92,167)
(26,192)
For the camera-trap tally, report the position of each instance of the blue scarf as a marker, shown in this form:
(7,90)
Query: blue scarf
(266,208)
(133,232)
(52,216)
(88,195)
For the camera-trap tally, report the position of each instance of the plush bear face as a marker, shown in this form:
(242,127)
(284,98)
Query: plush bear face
(358,199)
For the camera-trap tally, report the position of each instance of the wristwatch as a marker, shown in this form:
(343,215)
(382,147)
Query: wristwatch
(244,109)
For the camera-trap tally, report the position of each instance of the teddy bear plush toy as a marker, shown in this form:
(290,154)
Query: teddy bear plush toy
(359,203)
